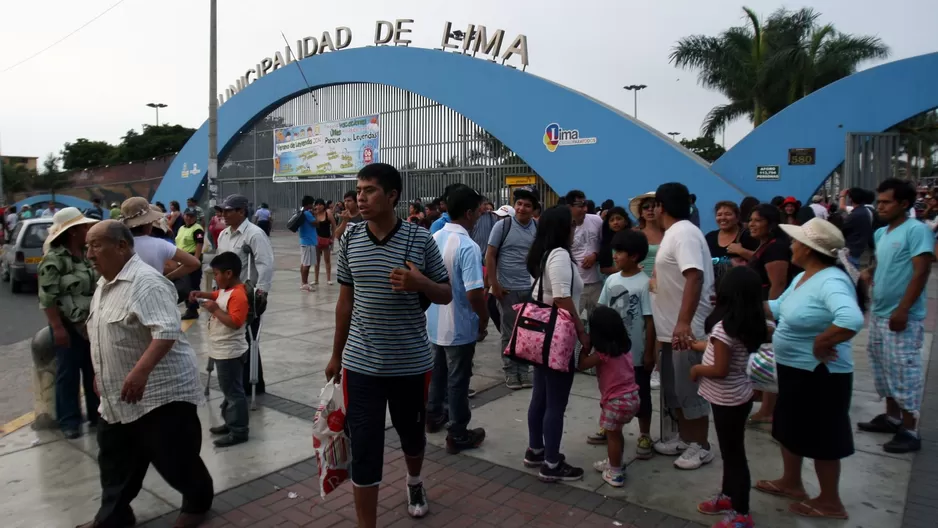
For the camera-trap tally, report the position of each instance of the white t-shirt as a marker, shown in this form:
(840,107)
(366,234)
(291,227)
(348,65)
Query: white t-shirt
(559,279)
(586,241)
(11,221)
(154,251)
(682,248)
(819,211)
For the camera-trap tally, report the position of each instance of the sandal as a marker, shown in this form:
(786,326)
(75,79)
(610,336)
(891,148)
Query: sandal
(767,486)
(806,510)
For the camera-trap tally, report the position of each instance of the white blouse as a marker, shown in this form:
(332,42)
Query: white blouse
(560,280)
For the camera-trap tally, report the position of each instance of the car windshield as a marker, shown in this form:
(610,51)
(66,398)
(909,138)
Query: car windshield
(35,235)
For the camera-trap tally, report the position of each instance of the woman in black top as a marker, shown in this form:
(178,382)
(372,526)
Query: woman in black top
(616,219)
(728,246)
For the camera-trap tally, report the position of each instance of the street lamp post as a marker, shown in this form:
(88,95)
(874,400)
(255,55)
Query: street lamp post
(635,88)
(674,135)
(157,106)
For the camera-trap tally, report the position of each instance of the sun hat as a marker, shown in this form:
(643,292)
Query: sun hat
(136,212)
(505,210)
(62,220)
(818,234)
(789,200)
(635,204)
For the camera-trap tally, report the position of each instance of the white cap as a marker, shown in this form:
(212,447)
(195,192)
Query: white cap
(505,210)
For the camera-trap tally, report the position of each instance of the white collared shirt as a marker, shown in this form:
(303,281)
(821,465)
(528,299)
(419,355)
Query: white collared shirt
(249,236)
(127,313)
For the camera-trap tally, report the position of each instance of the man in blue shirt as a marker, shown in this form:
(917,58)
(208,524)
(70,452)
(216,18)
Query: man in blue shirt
(453,329)
(308,241)
(904,254)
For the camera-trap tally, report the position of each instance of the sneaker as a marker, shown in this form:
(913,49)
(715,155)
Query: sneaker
(655,380)
(735,520)
(435,424)
(417,501)
(602,465)
(329,282)
(597,438)
(672,447)
(694,457)
(719,505)
(219,430)
(614,477)
(903,442)
(879,424)
(305,287)
(229,440)
(190,314)
(513,382)
(525,379)
(472,393)
(533,460)
(645,448)
(562,473)
(472,439)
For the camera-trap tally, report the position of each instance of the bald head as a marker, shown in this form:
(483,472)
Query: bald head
(110,246)
(113,231)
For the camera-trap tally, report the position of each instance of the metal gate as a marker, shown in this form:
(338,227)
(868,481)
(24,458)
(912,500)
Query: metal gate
(432,145)
(870,158)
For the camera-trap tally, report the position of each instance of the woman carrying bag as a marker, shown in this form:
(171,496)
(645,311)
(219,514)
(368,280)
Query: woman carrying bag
(556,285)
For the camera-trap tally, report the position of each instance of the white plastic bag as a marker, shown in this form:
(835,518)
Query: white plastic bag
(333,451)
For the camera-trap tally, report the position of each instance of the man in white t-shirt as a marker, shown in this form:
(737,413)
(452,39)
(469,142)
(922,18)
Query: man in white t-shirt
(819,210)
(585,249)
(684,285)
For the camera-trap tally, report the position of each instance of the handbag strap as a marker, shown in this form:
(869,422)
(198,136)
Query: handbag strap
(540,280)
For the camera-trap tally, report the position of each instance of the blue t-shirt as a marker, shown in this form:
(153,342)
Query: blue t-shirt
(307,230)
(631,298)
(894,253)
(439,223)
(512,259)
(805,311)
(456,323)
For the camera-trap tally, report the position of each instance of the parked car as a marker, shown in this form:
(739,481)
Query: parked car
(19,262)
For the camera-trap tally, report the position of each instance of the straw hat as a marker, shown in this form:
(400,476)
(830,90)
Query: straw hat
(137,211)
(160,223)
(819,235)
(636,203)
(62,220)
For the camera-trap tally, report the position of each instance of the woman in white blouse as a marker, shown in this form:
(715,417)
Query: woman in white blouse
(550,261)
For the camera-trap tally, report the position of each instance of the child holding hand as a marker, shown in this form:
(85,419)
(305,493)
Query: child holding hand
(614,371)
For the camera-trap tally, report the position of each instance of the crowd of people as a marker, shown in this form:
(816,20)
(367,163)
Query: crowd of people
(648,295)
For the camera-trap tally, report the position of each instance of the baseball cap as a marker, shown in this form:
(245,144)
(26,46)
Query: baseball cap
(505,210)
(528,191)
(235,201)
(190,211)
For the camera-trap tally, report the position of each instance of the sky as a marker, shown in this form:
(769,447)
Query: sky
(96,83)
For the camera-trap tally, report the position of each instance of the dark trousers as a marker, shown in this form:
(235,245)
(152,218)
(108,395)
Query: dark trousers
(545,414)
(169,437)
(73,369)
(452,368)
(234,408)
(195,280)
(246,358)
(265,226)
(493,311)
(730,423)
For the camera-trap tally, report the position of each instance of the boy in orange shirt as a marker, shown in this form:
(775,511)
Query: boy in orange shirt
(229,308)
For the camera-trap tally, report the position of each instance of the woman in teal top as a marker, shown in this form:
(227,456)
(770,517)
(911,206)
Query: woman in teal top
(643,208)
(817,316)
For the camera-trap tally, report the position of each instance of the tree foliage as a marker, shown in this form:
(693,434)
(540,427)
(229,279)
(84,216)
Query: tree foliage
(16,179)
(134,146)
(50,179)
(705,147)
(85,153)
(765,65)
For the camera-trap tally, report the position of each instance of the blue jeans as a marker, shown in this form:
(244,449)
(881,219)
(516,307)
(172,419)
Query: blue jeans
(545,414)
(234,408)
(73,369)
(452,368)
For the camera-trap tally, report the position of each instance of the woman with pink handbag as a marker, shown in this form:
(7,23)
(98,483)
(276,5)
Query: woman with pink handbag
(558,288)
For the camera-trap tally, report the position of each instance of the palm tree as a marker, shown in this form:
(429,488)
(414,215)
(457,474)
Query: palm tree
(763,66)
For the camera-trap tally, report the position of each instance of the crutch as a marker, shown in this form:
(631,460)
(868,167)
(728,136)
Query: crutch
(254,345)
(208,369)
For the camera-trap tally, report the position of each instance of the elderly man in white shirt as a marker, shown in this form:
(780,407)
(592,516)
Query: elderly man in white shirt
(147,377)
(257,264)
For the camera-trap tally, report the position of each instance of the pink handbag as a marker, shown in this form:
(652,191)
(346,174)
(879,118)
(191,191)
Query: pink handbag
(543,334)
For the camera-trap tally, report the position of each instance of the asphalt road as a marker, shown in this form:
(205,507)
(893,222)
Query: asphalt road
(20,318)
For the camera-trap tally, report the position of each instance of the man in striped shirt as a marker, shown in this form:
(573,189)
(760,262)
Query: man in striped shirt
(148,380)
(387,269)
(454,328)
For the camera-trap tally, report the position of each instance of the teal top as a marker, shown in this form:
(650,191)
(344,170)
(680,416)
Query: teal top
(894,253)
(803,312)
(648,265)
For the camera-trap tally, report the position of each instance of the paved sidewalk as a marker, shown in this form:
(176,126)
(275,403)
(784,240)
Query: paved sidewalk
(52,482)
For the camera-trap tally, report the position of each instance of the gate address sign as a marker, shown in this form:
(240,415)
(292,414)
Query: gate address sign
(801,156)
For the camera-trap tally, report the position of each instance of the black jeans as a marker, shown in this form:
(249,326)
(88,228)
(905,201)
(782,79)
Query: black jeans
(169,437)
(452,368)
(730,423)
(73,369)
(545,414)
(246,358)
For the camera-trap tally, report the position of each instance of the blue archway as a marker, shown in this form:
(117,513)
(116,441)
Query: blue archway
(627,159)
(41,200)
(869,101)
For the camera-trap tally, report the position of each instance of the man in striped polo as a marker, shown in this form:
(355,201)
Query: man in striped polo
(387,270)
(455,328)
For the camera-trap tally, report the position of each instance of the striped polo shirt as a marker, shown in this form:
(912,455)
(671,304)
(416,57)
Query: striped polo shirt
(388,332)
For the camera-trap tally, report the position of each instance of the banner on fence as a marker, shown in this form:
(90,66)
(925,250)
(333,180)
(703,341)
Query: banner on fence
(325,151)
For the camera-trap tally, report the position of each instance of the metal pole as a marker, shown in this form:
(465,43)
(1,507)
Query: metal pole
(635,109)
(157,116)
(212,169)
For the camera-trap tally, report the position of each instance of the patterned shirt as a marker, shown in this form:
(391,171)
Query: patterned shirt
(127,313)
(248,239)
(66,283)
(388,332)
(456,323)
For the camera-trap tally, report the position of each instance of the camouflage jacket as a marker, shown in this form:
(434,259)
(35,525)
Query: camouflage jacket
(67,283)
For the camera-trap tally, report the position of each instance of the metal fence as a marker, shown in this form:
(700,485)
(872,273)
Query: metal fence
(433,146)
(870,158)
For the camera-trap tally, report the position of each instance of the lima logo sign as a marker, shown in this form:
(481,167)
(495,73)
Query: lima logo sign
(554,137)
